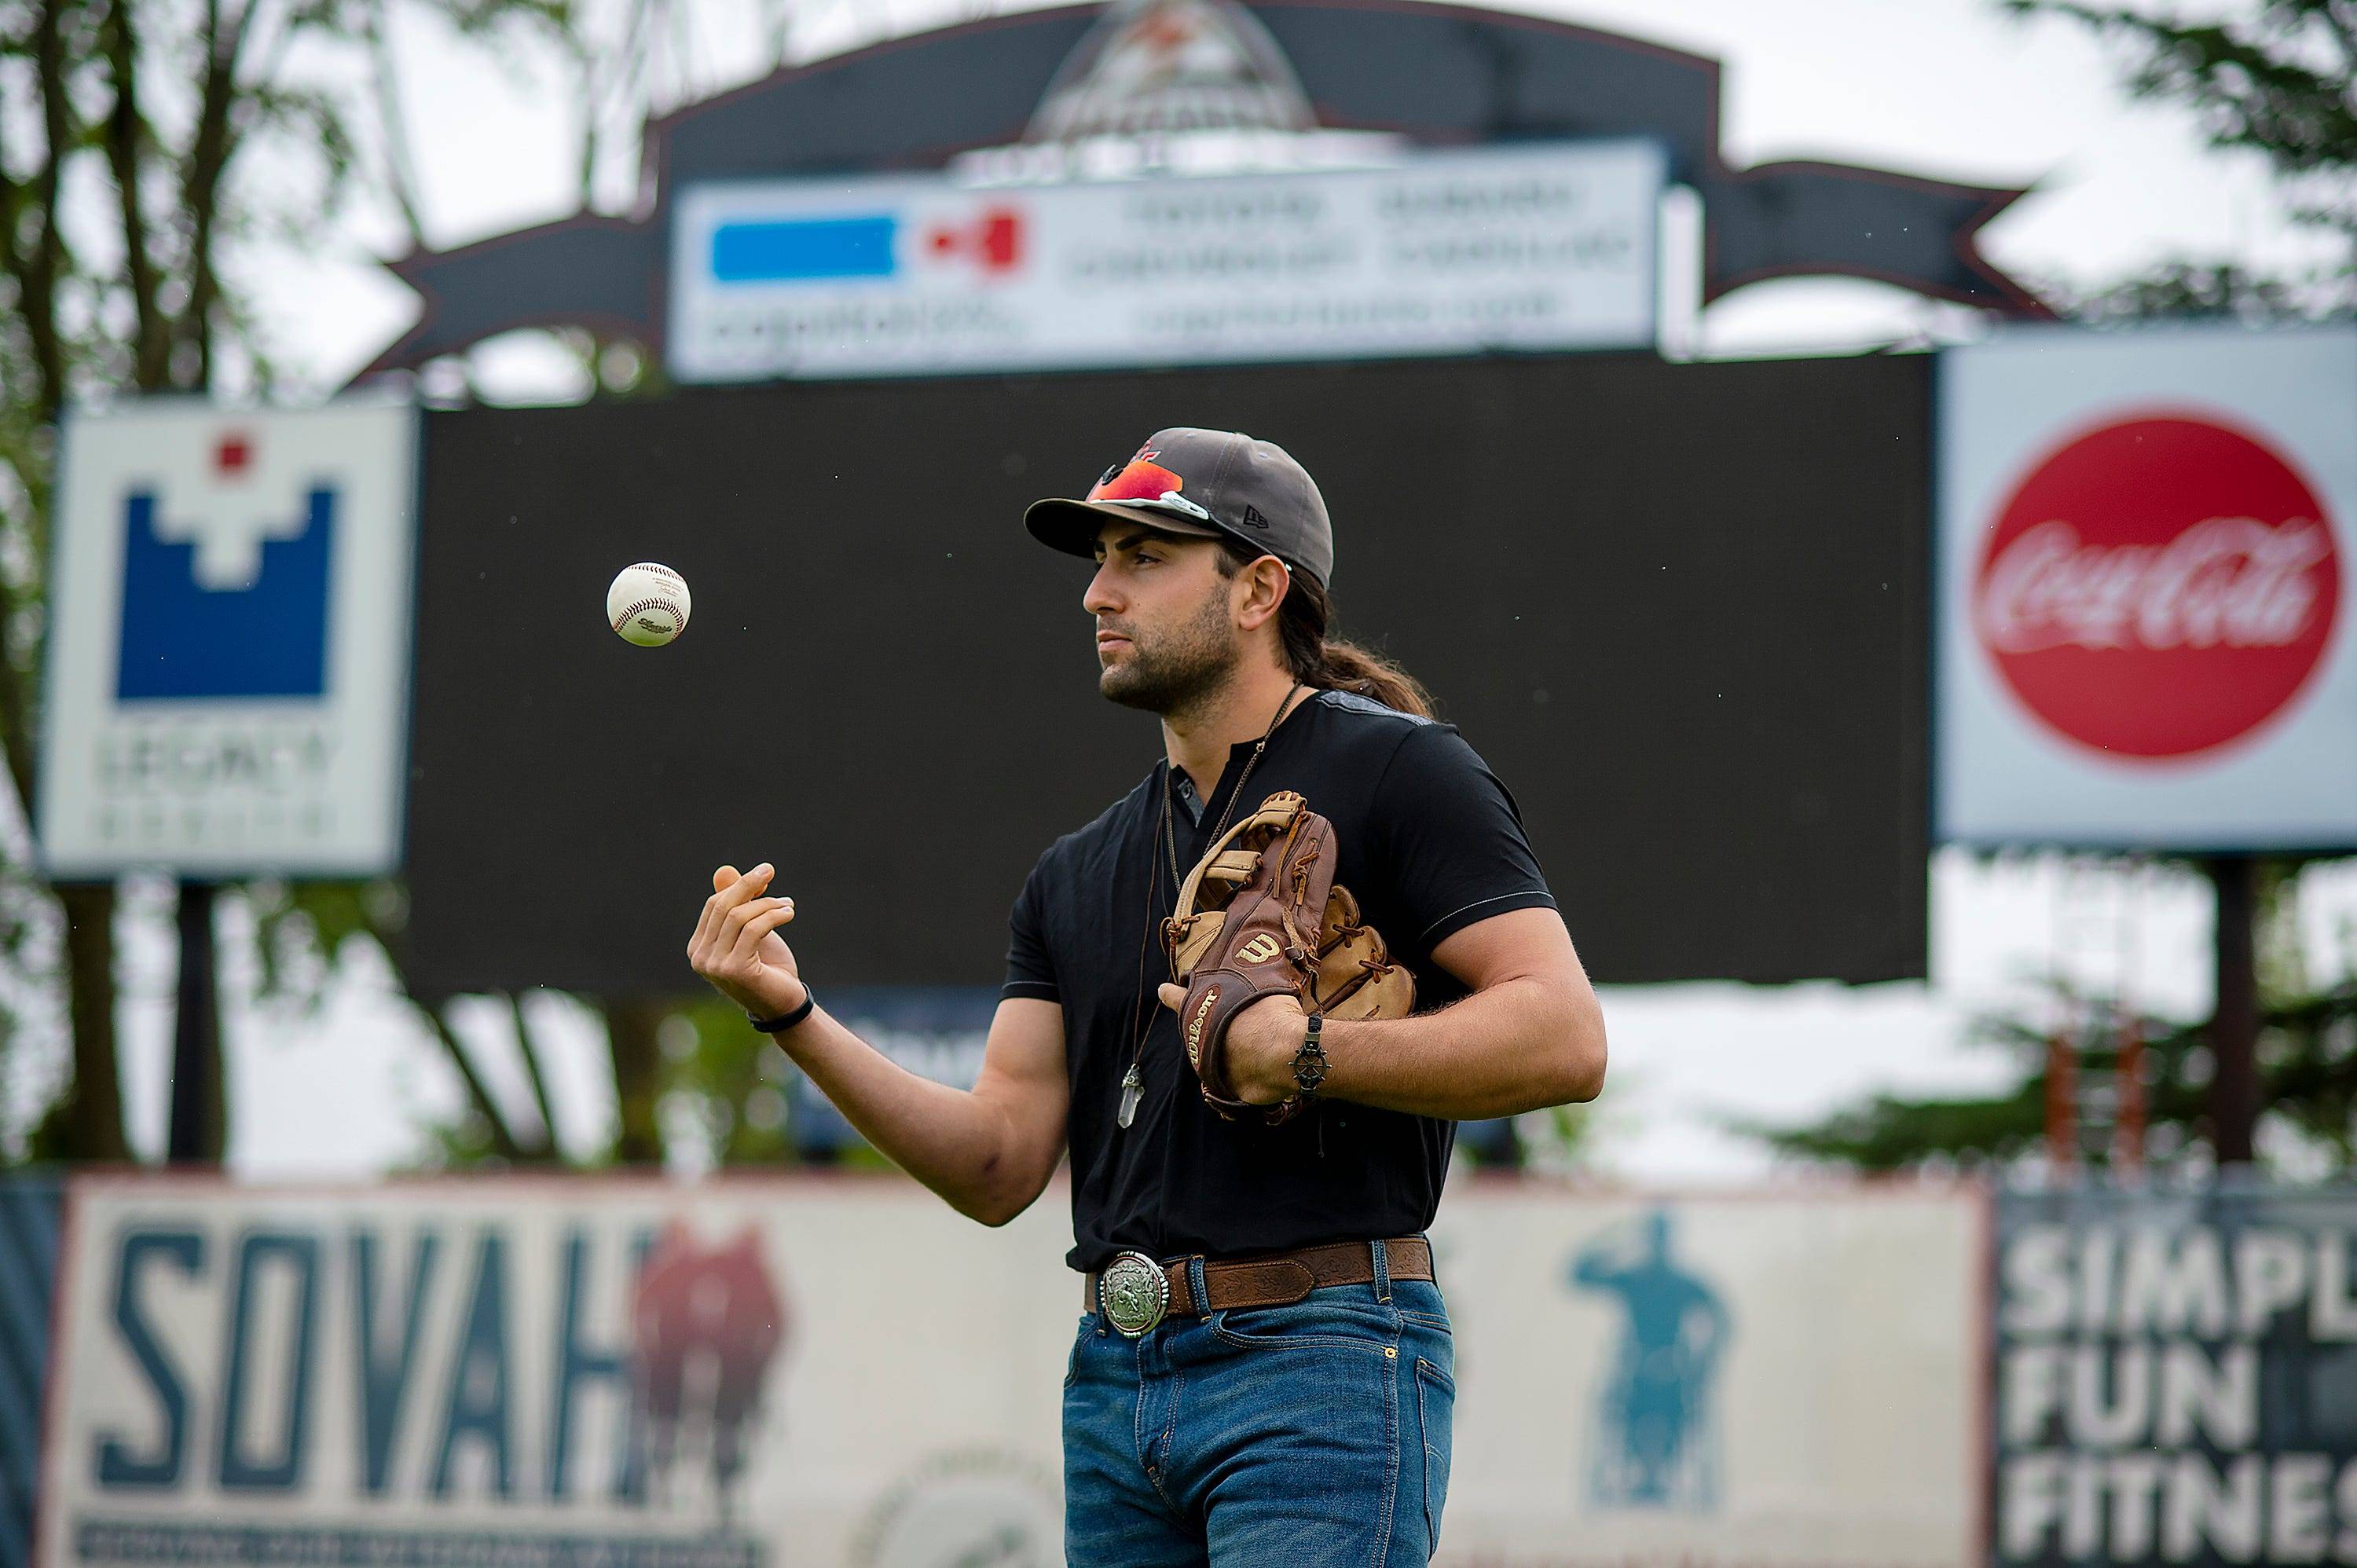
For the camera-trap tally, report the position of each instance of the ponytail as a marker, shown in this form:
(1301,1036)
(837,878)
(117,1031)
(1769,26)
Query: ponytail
(1328,663)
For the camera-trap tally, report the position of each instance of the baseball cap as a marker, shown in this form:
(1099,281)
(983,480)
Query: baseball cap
(1210,484)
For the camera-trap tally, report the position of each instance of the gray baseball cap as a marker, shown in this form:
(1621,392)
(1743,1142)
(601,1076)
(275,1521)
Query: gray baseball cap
(1212,484)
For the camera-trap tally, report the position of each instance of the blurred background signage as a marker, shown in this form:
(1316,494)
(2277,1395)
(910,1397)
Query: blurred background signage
(228,677)
(1524,247)
(2144,546)
(1192,181)
(2175,1376)
(647,1375)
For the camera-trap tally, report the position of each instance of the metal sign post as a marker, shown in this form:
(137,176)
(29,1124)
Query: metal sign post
(198,1112)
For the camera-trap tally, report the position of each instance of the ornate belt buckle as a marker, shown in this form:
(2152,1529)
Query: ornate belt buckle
(1135,1292)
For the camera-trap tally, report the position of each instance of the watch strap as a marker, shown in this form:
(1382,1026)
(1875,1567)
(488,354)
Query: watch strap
(785,1021)
(1309,1062)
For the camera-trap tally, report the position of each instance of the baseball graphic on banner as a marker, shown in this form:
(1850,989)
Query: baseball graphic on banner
(2141,540)
(2159,586)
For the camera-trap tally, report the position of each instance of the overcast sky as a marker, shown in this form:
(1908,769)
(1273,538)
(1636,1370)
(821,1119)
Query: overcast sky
(1944,88)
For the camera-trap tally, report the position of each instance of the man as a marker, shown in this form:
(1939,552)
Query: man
(1295,1409)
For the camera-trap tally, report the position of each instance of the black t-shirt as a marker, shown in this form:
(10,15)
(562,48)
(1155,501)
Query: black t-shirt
(1430,842)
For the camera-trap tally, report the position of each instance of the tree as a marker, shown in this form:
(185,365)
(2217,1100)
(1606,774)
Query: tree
(2281,82)
(2277,82)
(143,143)
(2307,1081)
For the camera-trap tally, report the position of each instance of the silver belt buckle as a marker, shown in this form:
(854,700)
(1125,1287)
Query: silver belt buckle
(1134,1292)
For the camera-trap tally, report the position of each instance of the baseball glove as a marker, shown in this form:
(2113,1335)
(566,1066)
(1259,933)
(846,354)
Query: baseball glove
(1261,914)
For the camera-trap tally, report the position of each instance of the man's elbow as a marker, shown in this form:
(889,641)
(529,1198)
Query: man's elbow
(994,1208)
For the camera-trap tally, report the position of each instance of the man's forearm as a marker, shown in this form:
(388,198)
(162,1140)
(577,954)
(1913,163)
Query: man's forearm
(1516,1046)
(947,1138)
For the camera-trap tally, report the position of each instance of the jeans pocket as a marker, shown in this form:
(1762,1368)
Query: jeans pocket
(1436,1407)
(1307,1324)
(1073,1360)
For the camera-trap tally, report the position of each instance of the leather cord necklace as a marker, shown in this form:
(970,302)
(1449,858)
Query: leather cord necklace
(1133,1082)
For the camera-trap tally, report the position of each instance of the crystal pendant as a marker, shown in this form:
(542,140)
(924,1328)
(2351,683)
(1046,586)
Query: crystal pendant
(1132,1084)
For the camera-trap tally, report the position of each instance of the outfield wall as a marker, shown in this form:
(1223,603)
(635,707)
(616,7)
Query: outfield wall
(839,1370)
(836,1369)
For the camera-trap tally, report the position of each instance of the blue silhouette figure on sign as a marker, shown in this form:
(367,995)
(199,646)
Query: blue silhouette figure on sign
(1654,1439)
(225,595)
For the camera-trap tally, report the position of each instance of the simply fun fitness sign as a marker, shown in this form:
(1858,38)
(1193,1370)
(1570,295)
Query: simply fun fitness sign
(2143,559)
(2175,1377)
(229,640)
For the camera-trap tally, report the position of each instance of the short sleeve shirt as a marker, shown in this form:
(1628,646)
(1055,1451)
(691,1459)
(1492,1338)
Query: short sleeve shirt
(1430,842)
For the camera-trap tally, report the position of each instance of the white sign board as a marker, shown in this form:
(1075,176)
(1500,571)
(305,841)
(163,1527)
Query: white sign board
(2145,636)
(840,1372)
(1530,246)
(228,664)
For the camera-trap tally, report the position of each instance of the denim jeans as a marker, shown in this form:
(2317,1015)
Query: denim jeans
(1314,1435)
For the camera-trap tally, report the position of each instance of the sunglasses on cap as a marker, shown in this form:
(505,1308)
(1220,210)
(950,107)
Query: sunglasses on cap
(1140,483)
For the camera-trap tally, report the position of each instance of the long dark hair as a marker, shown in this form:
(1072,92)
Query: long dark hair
(1328,663)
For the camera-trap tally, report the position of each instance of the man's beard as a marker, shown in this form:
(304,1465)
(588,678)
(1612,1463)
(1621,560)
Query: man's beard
(1180,668)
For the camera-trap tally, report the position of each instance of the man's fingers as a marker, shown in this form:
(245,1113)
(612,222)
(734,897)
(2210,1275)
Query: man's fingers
(736,890)
(708,920)
(734,920)
(750,934)
(1173,996)
(728,891)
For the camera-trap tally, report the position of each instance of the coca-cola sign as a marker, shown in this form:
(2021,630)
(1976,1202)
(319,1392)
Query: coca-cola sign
(2158,588)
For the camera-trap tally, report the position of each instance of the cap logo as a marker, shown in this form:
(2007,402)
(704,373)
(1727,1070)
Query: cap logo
(1252,518)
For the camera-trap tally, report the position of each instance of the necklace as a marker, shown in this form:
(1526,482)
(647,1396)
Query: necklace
(1133,1082)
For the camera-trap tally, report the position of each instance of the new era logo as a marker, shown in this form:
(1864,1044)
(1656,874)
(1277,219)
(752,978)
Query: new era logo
(1252,518)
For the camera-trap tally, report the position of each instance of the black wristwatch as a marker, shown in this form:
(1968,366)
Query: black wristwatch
(785,1021)
(1309,1062)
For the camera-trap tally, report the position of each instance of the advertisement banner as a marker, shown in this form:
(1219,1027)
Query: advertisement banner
(2176,1377)
(228,670)
(842,1371)
(1696,1381)
(631,1374)
(2143,555)
(1528,246)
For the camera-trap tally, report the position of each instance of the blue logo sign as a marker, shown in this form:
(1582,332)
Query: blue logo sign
(1653,1442)
(225,594)
(804,250)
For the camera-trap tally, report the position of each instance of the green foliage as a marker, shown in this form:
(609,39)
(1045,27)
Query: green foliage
(728,1083)
(2275,81)
(146,146)
(2183,289)
(2308,1087)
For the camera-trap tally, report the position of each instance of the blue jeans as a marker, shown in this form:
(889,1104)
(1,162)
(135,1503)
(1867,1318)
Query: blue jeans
(1314,1435)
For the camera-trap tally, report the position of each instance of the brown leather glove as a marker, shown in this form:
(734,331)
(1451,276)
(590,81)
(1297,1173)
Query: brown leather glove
(1261,915)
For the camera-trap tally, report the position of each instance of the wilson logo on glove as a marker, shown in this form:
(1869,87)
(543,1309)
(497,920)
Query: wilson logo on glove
(1195,1027)
(1265,890)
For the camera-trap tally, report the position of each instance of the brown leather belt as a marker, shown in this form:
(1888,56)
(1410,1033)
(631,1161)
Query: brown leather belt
(1277,1279)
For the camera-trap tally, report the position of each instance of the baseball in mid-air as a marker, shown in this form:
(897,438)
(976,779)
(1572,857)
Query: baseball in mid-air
(646,605)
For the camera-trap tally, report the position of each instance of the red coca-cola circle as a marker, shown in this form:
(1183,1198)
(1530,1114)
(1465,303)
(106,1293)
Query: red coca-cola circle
(2158,588)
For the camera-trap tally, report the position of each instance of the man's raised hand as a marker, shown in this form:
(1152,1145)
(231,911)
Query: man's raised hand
(736,946)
